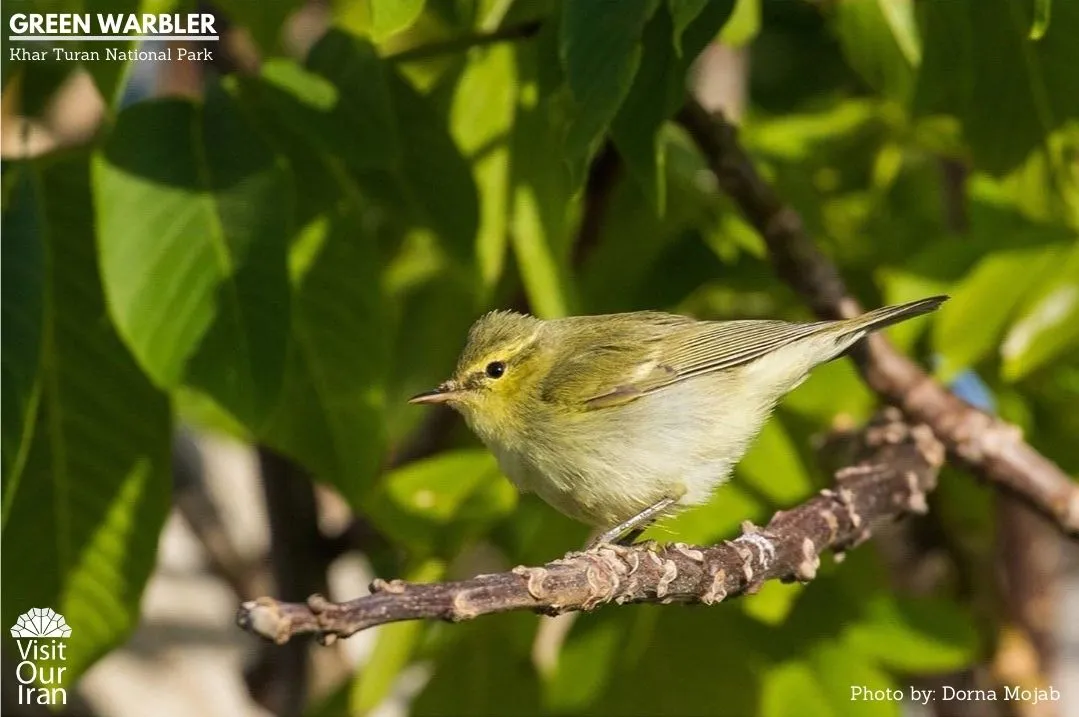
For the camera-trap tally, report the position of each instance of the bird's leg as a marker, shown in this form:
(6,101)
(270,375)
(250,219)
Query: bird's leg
(631,527)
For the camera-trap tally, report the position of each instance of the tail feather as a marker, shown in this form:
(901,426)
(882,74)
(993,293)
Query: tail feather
(888,315)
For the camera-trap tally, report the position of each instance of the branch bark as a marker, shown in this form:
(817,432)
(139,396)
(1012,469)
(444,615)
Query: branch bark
(898,467)
(990,447)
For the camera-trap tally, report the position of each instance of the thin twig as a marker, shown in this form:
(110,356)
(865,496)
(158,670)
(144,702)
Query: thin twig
(466,42)
(900,467)
(992,448)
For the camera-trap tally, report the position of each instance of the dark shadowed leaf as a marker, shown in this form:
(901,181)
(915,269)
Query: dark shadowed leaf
(600,50)
(658,90)
(196,278)
(398,149)
(979,54)
(91,490)
(329,413)
(22,284)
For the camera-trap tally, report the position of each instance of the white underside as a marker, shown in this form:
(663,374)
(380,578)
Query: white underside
(679,442)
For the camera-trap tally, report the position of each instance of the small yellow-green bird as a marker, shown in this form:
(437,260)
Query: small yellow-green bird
(616,420)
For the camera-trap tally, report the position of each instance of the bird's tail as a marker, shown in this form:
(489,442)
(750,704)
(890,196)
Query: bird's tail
(886,316)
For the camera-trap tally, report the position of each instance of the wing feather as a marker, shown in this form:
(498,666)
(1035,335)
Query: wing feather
(641,354)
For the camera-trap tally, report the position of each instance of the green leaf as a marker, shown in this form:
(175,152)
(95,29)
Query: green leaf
(216,213)
(400,150)
(92,494)
(481,121)
(790,689)
(774,468)
(658,90)
(744,24)
(435,503)
(978,54)
(389,17)
(600,50)
(23,306)
(543,203)
(969,326)
(486,671)
(884,59)
(840,670)
(329,416)
(585,662)
(920,636)
(1047,326)
(716,650)
(1042,12)
(683,12)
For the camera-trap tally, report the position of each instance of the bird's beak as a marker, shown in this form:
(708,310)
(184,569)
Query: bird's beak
(446,391)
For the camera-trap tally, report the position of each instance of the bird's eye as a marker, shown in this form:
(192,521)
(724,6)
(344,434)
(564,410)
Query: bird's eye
(495,369)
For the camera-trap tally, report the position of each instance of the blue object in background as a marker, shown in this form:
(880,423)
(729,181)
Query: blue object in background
(970,387)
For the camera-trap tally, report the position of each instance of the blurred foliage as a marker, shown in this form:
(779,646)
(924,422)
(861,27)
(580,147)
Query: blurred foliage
(291,256)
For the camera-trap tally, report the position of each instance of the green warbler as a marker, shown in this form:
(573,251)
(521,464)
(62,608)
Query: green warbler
(616,420)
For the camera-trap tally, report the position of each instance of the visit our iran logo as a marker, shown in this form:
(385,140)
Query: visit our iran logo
(41,634)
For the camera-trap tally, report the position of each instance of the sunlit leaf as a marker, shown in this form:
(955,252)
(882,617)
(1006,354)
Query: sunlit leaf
(1047,327)
(438,498)
(917,636)
(482,121)
(392,16)
(744,23)
(215,216)
(790,690)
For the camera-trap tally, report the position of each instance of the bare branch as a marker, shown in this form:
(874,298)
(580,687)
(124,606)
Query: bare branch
(992,448)
(900,466)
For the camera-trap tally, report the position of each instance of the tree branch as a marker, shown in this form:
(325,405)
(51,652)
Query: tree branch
(992,448)
(899,467)
(467,42)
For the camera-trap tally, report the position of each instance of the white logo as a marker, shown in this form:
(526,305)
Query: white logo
(41,633)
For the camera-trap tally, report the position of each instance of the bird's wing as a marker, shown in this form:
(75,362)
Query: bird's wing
(644,359)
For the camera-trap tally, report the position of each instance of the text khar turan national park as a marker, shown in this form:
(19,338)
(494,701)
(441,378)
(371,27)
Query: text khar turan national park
(29,30)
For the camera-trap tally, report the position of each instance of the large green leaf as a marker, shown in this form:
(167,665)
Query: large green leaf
(392,16)
(744,23)
(485,671)
(600,50)
(1048,323)
(329,415)
(196,278)
(402,150)
(774,468)
(22,283)
(481,120)
(791,689)
(435,503)
(978,54)
(970,325)
(915,635)
(543,204)
(659,89)
(93,489)
(885,59)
